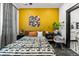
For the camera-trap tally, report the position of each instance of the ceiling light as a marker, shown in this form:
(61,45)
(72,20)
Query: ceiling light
(30,3)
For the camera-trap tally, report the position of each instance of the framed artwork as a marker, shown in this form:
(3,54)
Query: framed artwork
(72,26)
(77,25)
(34,21)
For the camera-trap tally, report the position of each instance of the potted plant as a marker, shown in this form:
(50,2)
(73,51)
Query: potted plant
(56,26)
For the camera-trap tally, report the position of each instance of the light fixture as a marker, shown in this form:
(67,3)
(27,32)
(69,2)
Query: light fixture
(30,3)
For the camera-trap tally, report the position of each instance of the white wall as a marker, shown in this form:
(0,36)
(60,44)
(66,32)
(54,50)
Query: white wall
(1,21)
(75,32)
(74,20)
(14,20)
(17,22)
(62,16)
(75,15)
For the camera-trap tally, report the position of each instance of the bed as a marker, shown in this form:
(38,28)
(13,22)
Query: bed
(28,46)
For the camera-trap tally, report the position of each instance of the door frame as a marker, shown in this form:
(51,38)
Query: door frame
(68,20)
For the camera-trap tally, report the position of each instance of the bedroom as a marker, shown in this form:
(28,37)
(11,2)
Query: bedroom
(23,21)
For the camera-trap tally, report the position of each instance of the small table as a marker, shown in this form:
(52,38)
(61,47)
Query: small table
(20,36)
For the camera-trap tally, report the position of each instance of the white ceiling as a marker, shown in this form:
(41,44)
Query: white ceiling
(38,5)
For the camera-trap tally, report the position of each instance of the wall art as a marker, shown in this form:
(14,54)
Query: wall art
(34,21)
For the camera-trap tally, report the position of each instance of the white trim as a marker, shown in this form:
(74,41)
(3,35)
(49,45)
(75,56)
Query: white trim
(1,21)
(17,22)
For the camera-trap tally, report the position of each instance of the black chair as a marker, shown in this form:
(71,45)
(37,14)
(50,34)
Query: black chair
(49,35)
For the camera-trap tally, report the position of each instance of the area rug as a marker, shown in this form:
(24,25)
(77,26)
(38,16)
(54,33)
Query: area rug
(28,46)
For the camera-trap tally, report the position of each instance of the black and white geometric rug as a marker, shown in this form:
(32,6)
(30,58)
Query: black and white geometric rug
(28,46)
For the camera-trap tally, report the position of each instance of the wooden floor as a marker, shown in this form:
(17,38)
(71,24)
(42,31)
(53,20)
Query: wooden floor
(64,52)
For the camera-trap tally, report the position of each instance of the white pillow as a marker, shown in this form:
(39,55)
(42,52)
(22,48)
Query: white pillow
(39,34)
(56,31)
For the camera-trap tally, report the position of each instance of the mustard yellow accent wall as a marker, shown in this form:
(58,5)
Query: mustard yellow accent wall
(47,17)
